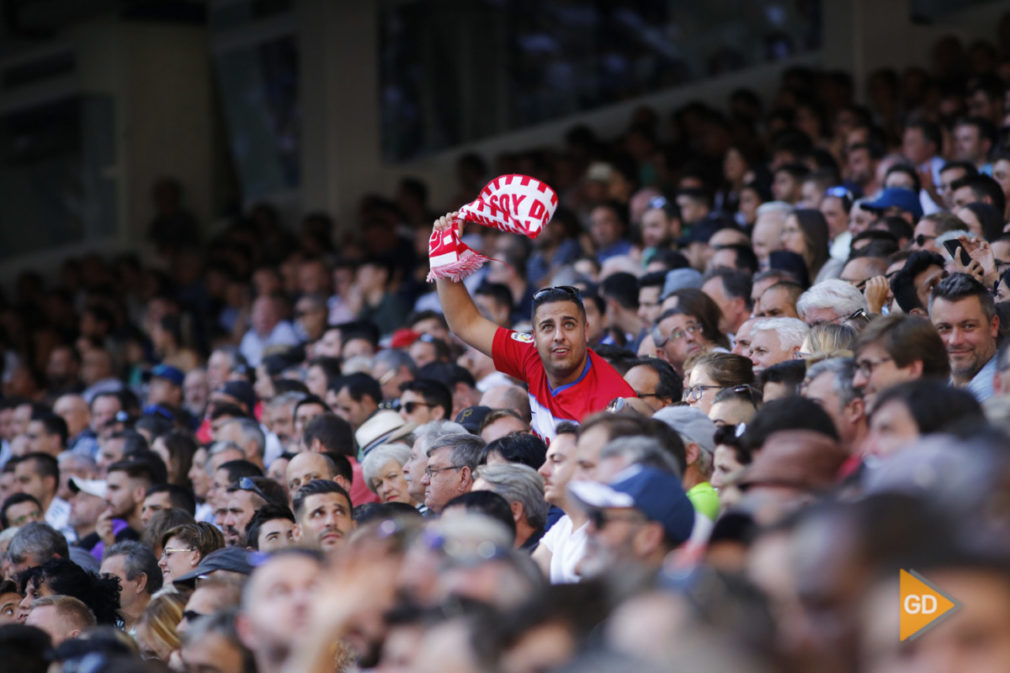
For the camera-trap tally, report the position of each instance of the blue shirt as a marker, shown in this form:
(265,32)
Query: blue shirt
(981,384)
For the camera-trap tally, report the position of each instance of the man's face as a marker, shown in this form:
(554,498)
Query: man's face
(924,236)
(279,597)
(969,336)
(325,521)
(153,504)
(121,497)
(501,427)
(876,371)
(962,196)
(195,390)
(766,350)
(605,228)
(860,166)
(415,409)
(442,480)
(85,510)
(891,429)
(821,390)
(218,495)
(315,381)
(968,144)
(353,411)
(610,540)
(198,473)
(22,513)
(648,304)
(276,534)
(860,220)
(103,410)
(280,420)
(212,653)
(644,380)
(859,270)
(915,147)
(587,453)
(948,178)
(683,339)
(561,337)
(218,367)
(240,509)
(785,187)
(115,566)
(311,317)
(775,302)
(303,468)
(329,345)
(744,334)
(303,415)
(49,620)
(728,306)
(558,468)
(413,471)
(655,228)
(28,480)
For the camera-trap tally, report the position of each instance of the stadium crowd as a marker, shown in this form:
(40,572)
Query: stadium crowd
(754,366)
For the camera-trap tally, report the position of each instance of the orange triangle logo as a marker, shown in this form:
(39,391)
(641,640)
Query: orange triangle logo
(923,606)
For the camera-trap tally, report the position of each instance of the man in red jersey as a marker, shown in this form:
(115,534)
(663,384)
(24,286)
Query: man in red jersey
(567,381)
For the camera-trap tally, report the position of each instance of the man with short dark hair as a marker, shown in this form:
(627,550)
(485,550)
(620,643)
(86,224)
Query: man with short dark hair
(38,475)
(212,644)
(358,396)
(974,138)
(914,283)
(964,314)
(323,512)
(425,400)
(272,527)
(160,497)
(567,379)
(74,410)
(897,348)
(730,290)
(655,382)
(136,568)
(47,433)
(127,482)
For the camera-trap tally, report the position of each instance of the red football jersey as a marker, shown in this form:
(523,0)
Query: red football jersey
(514,354)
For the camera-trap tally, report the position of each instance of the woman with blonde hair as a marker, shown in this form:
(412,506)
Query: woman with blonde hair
(156,630)
(828,340)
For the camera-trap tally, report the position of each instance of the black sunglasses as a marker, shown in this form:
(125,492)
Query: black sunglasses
(411,407)
(568,290)
(247,484)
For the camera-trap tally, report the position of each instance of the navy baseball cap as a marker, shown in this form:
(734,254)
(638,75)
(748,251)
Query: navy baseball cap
(169,373)
(896,197)
(655,493)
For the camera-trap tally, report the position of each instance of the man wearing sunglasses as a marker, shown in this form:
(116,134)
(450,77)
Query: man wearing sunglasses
(567,381)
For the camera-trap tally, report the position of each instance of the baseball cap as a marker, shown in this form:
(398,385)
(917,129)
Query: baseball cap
(471,418)
(678,279)
(95,487)
(691,424)
(896,197)
(169,373)
(232,559)
(655,493)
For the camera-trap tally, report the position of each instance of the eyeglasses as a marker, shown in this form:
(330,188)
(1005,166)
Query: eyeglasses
(617,404)
(676,335)
(866,367)
(411,407)
(694,393)
(247,484)
(192,615)
(920,239)
(432,471)
(25,518)
(601,517)
(572,292)
(166,552)
(859,315)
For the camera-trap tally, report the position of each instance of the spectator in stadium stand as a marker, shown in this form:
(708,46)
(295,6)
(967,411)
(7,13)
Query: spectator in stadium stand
(566,379)
(963,312)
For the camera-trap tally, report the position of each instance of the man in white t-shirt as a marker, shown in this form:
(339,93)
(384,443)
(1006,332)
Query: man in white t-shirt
(562,546)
